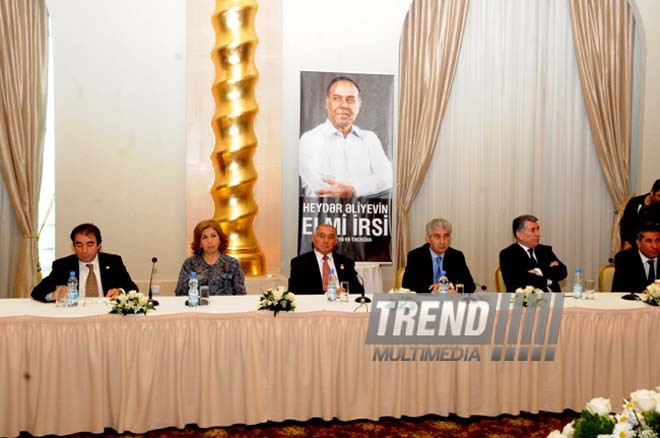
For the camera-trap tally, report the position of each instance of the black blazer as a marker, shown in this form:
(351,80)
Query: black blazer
(515,262)
(306,278)
(419,269)
(113,275)
(629,272)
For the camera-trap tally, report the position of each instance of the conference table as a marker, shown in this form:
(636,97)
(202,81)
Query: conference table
(68,370)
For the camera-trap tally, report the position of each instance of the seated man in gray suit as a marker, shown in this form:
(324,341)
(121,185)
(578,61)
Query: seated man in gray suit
(425,263)
(310,271)
(98,273)
(636,268)
(527,262)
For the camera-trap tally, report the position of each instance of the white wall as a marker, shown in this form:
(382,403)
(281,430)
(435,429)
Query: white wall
(120,105)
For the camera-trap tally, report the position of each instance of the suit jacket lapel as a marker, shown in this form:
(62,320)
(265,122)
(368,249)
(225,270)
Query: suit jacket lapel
(316,276)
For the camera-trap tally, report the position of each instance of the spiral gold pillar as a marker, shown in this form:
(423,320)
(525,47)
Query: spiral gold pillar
(233,126)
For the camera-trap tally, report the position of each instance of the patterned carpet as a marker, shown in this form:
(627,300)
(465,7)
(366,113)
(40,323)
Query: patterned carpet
(504,426)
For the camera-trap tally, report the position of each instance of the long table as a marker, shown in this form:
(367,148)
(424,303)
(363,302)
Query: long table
(69,370)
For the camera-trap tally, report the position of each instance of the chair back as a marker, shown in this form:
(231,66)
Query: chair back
(605,277)
(499,280)
(398,280)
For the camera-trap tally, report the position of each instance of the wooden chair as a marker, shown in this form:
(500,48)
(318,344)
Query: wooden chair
(499,280)
(605,277)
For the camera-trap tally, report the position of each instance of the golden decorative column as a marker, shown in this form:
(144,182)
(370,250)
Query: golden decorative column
(233,125)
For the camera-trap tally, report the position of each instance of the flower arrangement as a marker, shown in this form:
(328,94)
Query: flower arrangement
(653,294)
(131,303)
(527,292)
(640,418)
(400,290)
(278,300)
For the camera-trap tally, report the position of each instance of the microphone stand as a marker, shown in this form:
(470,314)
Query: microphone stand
(151,277)
(631,297)
(361,300)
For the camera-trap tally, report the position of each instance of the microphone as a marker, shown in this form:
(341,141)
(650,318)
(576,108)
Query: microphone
(361,299)
(151,277)
(483,287)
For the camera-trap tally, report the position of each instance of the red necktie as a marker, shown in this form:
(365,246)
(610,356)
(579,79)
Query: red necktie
(326,272)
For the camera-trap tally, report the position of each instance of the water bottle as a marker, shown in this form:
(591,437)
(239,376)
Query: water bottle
(443,282)
(193,290)
(578,284)
(333,285)
(72,291)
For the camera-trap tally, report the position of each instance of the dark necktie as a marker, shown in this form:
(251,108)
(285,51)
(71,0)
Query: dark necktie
(91,286)
(326,272)
(651,278)
(531,256)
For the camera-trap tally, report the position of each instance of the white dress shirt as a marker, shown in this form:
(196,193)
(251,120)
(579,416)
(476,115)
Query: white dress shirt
(83,271)
(331,263)
(357,160)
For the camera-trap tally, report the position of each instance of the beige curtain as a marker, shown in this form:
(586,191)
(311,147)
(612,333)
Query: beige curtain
(430,45)
(603,33)
(23,83)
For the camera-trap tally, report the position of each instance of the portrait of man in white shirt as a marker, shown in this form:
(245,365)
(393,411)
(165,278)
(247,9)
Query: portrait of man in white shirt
(338,158)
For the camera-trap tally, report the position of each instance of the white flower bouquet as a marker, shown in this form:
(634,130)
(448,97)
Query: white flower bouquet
(653,294)
(527,292)
(278,300)
(640,417)
(131,303)
(400,290)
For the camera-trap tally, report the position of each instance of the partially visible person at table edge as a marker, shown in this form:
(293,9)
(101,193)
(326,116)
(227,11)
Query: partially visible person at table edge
(98,273)
(637,267)
(215,269)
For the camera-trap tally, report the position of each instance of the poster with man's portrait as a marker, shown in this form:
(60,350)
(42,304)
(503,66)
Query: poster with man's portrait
(345,161)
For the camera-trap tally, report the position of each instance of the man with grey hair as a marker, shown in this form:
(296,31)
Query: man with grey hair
(528,263)
(425,263)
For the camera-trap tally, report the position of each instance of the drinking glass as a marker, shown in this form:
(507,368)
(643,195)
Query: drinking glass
(204,297)
(589,289)
(61,300)
(343,291)
(460,288)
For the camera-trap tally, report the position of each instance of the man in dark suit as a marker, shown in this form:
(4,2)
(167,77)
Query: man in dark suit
(89,264)
(528,263)
(636,268)
(425,263)
(636,212)
(307,270)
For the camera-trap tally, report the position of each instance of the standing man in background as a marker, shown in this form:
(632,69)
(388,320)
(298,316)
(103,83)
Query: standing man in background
(634,212)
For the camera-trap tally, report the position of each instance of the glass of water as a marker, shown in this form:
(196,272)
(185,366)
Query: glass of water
(589,289)
(343,291)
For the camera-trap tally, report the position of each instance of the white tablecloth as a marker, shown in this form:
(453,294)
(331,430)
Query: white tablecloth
(70,370)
